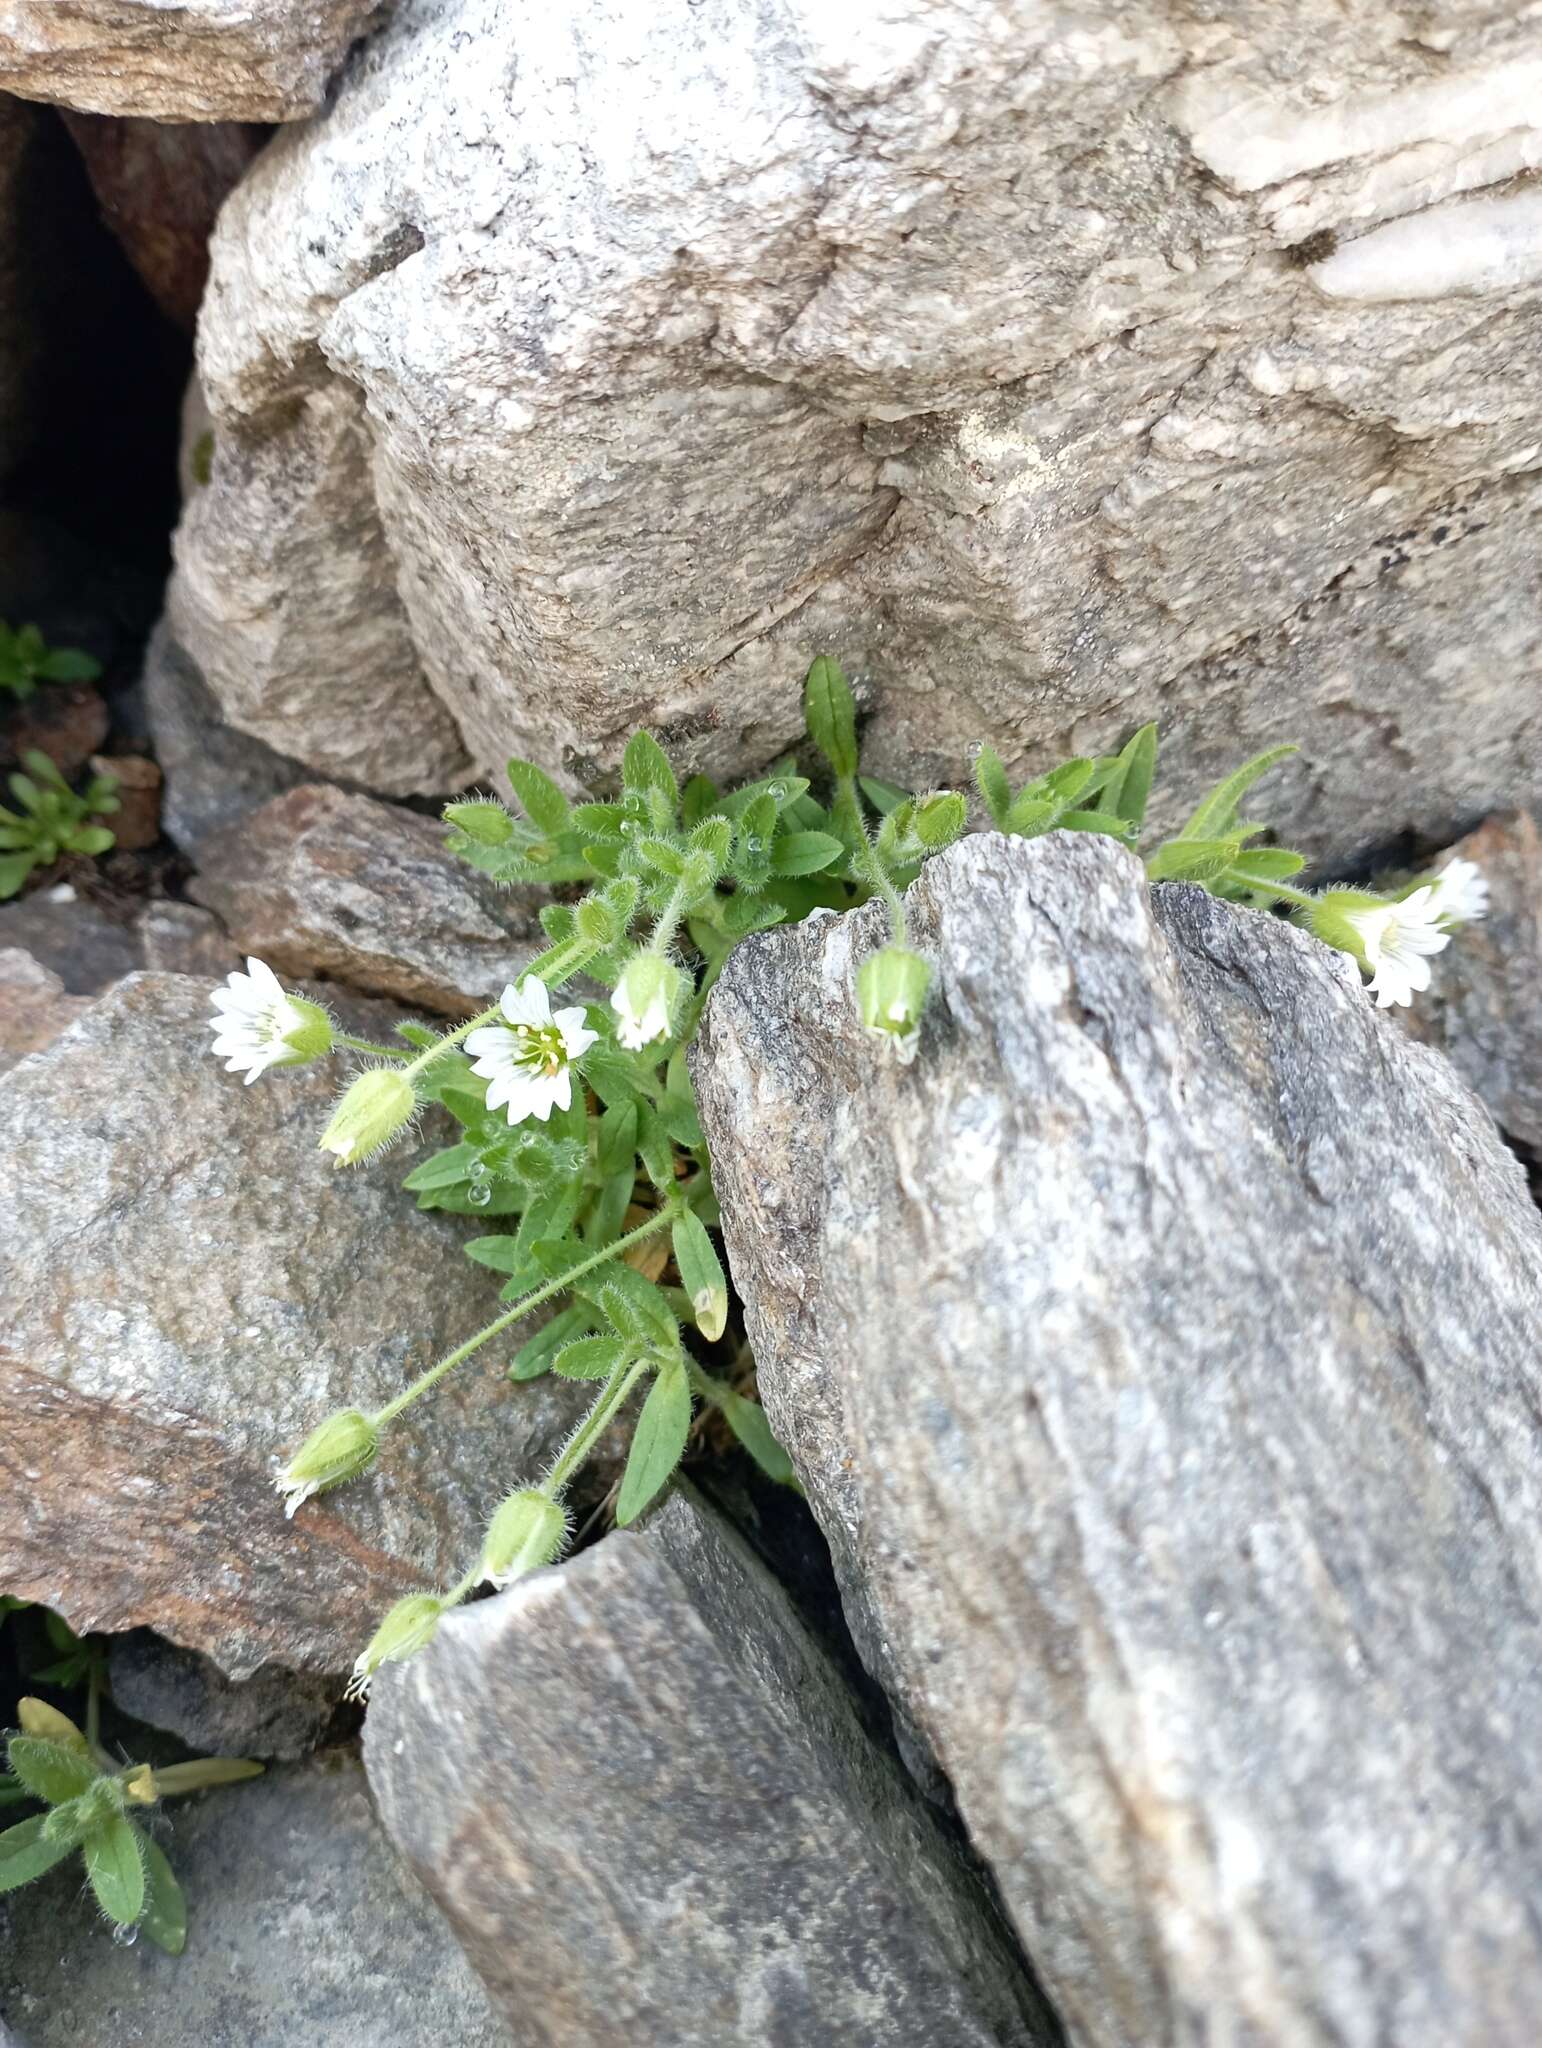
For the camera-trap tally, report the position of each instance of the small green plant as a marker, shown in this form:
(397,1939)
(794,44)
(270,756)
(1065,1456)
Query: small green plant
(50,820)
(92,1805)
(578,1132)
(26,659)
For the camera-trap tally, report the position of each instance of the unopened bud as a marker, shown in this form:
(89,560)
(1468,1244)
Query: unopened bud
(409,1625)
(891,993)
(527,1531)
(378,1106)
(645,998)
(336,1450)
(37,1717)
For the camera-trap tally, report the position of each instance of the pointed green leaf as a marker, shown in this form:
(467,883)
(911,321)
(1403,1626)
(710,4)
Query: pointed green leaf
(636,1310)
(69,665)
(1128,787)
(747,1420)
(1267,864)
(165,1917)
(991,775)
(591,1358)
(26,1854)
(645,765)
(116,1870)
(1216,814)
(50,1770)
(830,712)
(535,1355)
(701,1274)
(658,1443)
(444,1170)
(804,853)
(883,796)
(1192,860)
(544,804)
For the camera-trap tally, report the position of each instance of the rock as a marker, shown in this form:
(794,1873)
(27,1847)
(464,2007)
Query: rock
(179,938)
(1482,1004)
(647,1808)
(1159,1355)
(34,1008)
(67,722)
(984,351)
(301,1927)
(189,1291)
(214,775)
(136,823)
(74,936)
(275,1713)
(206,60)
(160,185)
(320,882)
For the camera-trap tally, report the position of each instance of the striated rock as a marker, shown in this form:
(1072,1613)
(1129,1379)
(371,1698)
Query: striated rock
(320,882)
(204,60)
(1482,1007)
(274,1713)
(189,1290)
(214,775)
(160,185)
(302,1926)
(645,1803)
(34,1007)
(1159,1354)
(984,347)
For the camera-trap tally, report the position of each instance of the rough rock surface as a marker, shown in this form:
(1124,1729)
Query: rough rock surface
(179,938)
(73,936)
(302,1926)
(646,1805)
(159,185)
(200,60)
(1159,1351)
(189,1289)
(1054,369)
(1483,1006)
(34,1007)
(274,1713)
(214,775)
(320,882)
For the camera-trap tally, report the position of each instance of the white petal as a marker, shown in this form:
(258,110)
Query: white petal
(576,1035)
(530,1003)
(265,979)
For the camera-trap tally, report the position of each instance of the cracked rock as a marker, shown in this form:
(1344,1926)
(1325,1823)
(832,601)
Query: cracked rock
(1159,1353)
(320,882)
(645,1803)
(189,1289)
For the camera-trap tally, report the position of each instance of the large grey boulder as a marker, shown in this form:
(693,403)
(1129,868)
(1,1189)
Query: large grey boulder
(302,1926)
(644,1800)
(199,60)
(1160,1354)
(1052,369)
(188,1289)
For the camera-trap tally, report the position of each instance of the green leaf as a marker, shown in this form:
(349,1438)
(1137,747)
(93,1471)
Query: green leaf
(883,796)
(991,775)
(1192,860)
(677,1113)
(617,1138)
(49,1770)
(165,1915)
(658,1443)
(804,853)
(830,712)
(645,765)
(69,665)
(591,1358)
(535,1355)
(1106,822)
(444,1170)
(699,796)
(544,804)
(1267,864)
(658,853)
(1127,790)
(747,1420)
(14,870)
(635,1309)
(1216,813)
(1030,815)
(25,1854)
(701,1274)
(502,1254)
(116,1870)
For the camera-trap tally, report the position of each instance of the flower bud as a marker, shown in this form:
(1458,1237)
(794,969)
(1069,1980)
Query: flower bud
(891,993)
(409,1625)
(645,998)
(336,1450)
(378,1105)
(309,1035)
(528,1530)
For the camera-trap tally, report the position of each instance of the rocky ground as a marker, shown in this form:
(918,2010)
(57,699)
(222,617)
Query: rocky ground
(1154,1656)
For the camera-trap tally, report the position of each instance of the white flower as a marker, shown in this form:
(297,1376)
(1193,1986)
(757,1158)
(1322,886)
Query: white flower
(1398,940)
(258,1025)
(1461,891)
(527,1061)
(643,999)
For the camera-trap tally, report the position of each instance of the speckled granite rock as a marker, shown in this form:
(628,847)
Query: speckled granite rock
(320,882)
(34,1007)
(302,1926)
(189,1288)
(274,1713)
(1159,1352)
(645,1802)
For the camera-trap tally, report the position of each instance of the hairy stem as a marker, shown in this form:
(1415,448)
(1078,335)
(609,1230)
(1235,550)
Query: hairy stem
(868,859)
(588,1433)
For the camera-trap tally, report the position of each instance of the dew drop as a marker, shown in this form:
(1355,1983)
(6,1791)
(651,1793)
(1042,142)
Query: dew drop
(777,789)
(480,1193)
(125,1937)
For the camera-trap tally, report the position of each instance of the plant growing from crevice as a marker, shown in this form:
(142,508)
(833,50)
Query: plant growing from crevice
(578,1131)
(92,1804)
(26,659)
(50,820)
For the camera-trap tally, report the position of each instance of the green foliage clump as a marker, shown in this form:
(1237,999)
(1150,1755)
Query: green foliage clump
(26,660)
(50,820)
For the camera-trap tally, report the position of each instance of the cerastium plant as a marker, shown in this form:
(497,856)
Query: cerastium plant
(578,1129)
(50,820)
(26,659)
